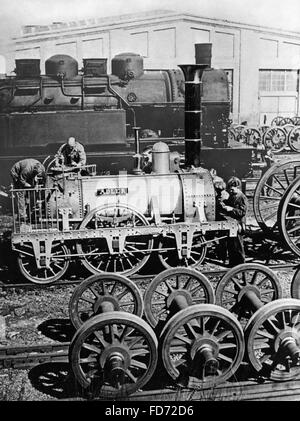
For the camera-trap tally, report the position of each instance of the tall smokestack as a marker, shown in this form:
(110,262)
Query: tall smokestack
(193,113)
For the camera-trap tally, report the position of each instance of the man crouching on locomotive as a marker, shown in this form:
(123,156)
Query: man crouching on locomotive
(235,206)
(25,174)
(72,154)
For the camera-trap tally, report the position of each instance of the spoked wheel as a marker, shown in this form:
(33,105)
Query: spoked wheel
(96,255)
(238,132)
(296,121)
(294,139)
(295,285)
(247,287)
(269,191)
(168,254)
(113,354)
(203,343)
(231,135)
(104,292)
(250,135)
(192,286)
(289,217)
(275,138)
(273,338)
(276,121)
(46,274)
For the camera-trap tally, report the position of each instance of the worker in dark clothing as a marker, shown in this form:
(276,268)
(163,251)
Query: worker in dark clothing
(72,153)
(25,175)
(235,207)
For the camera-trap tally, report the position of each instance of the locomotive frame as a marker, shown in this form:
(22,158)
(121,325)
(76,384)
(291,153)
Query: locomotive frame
(43,245)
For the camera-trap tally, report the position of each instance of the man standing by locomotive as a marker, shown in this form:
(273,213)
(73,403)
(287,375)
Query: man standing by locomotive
(235,207)
(25,174)
(72,153)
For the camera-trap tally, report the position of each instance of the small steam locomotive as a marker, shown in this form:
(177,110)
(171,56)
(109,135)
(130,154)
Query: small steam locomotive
(113,223)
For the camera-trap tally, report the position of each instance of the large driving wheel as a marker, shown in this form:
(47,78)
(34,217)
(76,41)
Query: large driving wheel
(58,266)
(269,191)
(168,254)
(96,256)
(289,217)
(114,354)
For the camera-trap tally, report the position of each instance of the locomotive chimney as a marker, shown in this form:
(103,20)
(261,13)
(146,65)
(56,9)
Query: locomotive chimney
(193,113)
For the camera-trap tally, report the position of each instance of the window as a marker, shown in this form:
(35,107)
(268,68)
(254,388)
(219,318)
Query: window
(224,45)
(92,48)
(139,42)
(278,80)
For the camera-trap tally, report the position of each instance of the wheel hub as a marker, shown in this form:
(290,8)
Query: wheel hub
(207,351)
(106,303)
(115,358)
(248,288)
(288,340)
(180,295)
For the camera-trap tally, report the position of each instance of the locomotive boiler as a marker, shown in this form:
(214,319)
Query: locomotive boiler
(113,223)
(39,112)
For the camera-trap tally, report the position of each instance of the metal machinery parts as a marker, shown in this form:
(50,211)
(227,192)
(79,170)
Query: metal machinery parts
(293,139)
(272,333)
(295,285)
(288,216)
(269,191)
(57,267)
(101,293)
(96,254)
(272,338)
(199,342)
(114,352)
(168,253)
(275,138)
(246,288)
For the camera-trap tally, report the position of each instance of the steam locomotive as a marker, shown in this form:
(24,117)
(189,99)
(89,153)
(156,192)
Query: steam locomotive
(39,112)
(113,223)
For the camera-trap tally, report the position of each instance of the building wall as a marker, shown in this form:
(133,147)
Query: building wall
(167,39)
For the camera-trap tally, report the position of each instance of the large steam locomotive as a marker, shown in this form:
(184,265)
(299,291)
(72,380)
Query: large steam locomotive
(39,112)
(114,222)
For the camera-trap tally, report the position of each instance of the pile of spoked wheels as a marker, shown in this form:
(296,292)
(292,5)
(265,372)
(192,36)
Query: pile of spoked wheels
(182,330)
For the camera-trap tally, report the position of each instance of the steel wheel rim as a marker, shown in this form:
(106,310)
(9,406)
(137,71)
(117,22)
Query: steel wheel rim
(214,322)
(270,190)
(263,324)
(293,139)
(128,262)
(258,278)
(169,258)
(89,352)
(118,290)
(285,220)
(295,285)
(275,138)
(58,262)
(195,285)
